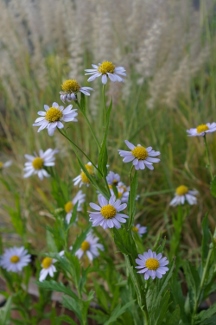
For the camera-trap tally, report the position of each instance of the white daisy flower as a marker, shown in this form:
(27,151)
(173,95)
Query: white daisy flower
(106,69)
(70,88)
(139,229)
(5,165)
(141,157)
(53,117)
(36,164)
(183,195)
(201,130)
(14,259)
(152,265)
(113,178)
(80,198)
(83,179)
(47,268)
(107,215)
(90,247)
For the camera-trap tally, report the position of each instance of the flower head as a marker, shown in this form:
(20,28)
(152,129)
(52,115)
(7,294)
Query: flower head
(70,88)
(53,117)
(90,247)
(36,164)
(14,259)
(113,178)
(152,265)
(83,178)
(141,157)
(47,268)
(5,165)
(202,129)
(80,198)
(140,230)
(107,215)
(106,69)
(123,191)
(183,194)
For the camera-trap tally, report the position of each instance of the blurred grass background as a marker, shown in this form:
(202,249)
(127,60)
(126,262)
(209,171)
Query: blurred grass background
(168,50)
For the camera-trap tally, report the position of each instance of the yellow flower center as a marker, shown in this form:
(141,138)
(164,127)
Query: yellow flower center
(135,229)
(83,175)
(202,128)
(106,67)
(70,86)
(53,114)
(14,259)
(1,165)
(108,211)
(37,163)
(120,194)
(47,261)
(85,246)
(140,153)
(182,190)
(152,264)
(68,207)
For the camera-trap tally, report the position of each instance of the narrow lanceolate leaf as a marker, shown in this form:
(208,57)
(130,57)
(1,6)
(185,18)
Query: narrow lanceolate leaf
(206,238)
(205,316)
(118,311)
(56,286)
(213,186)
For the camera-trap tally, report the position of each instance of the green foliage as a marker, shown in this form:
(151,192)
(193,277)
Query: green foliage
(213,187)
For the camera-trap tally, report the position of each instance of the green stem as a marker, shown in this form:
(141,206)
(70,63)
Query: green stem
(76,147)
(208,166)
(89,124)
(203,278)
(140,293)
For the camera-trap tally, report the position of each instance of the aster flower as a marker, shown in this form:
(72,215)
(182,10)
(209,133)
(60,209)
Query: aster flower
(53,117)
(80,198)
(122,190)
(183,194)
(83,179)
(5,165)
(106,69)
(107,215)
(70,88)
(90,247)
(14,259)
(201,130)
(113,178)
(36,164)
(152,265)
(47,268)
(140,156)
(139,229)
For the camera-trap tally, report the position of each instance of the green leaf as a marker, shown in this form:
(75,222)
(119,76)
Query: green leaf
(205,315)
(80,239)
(66,319)
(213,186)
(5,312)
(174,318)
(118,311)
(51,242)
(16,216)
(206,238)
(56,286)
(73,305)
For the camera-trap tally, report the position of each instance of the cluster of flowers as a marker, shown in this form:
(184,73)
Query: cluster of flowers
(107,213)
